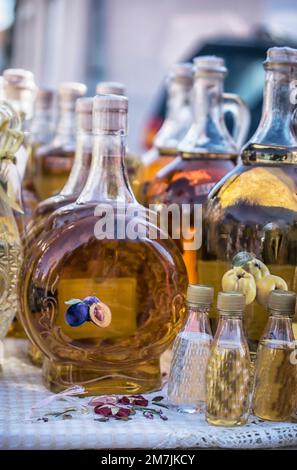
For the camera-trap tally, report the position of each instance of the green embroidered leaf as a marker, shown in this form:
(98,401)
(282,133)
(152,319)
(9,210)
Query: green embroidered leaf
(72,301)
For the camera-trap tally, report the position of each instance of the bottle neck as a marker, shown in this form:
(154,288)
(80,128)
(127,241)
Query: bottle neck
(41,126)
(66,127)
(279,328)
(177,120)
(81,165)
(108,179)
(197,320)
(276,128)
(208,133)
(230,329)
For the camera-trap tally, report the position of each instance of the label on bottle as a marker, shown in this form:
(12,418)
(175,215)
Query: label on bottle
(116,316)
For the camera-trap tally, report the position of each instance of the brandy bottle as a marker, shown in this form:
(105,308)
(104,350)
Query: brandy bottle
(54,161)
(103,291)
(251,219)
(206,154)
(177,122)
(274,395)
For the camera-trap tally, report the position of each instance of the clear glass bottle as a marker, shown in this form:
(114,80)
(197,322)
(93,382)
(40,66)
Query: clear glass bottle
(54,161)
(20,91)
(254,208)
(111,340)
(178,120)
(78,175)
(191,348)
(132,161)
(207,152)
(41,129)
(228,369)
(10,244)
(275,388)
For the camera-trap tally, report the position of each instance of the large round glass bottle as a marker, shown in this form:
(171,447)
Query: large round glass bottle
(101,299)
(252,212)
(178,120)
(206,153)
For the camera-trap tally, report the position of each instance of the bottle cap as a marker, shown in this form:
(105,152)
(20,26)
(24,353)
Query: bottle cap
(110,88)
(181,73)
(110,113)
(69,92)
(281,55)
(44,98)
(209,63)
(84,113)
(231,302)
(282,302)
(200,295)
(19,79)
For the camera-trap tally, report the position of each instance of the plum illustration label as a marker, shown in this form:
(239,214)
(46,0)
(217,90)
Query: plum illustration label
(251,277)
(90,309)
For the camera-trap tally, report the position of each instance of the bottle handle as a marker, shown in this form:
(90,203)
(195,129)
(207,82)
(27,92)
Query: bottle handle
(241,116)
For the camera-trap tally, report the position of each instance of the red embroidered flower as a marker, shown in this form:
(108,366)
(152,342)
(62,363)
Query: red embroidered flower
(112,411)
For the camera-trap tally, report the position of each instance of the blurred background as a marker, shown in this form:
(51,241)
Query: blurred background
(136,41)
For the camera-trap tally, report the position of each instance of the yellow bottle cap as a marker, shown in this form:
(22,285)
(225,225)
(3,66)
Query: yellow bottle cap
(282,302)
(200,295)
(231,302)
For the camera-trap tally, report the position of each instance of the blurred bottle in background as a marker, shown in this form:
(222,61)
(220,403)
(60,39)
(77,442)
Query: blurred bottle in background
(54,161)
(177,122)
(41,130)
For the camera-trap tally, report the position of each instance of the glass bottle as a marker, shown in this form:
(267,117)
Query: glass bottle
(10,243)
(251,217)
(228,369)
(41,129)
(275,388)
(20,92)
(191,348)
(206,153)
(131,285)
(54,161)
(78,175)
(132,161)
(177,122)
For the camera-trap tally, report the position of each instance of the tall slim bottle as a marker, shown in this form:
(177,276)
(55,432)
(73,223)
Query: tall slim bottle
(228,369)
(41,129)
(275,388)
(177,122)
(206,153)
(54,161)
(103,293)
(251,218)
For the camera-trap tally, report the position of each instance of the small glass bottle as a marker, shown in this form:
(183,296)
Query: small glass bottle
(54,161)
(228,369)
(78,175)
(275,387)
(206,153)
(254,209)
(41,129)
(191,348)
(131,286)
(177,122)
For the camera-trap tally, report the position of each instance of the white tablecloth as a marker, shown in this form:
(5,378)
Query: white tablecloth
(21,387)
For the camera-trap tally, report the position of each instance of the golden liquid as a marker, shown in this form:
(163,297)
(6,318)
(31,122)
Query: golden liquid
(228,385)
(275,392)
(35,355)
(133,281)
(52,170)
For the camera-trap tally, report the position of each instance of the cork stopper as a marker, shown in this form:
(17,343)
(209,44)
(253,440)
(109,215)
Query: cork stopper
(110,88)
(281,55)
(200,295)
(44,98)
(19,79)
(282,302)
(208,64)
(84,114)
(110,114)
(69,92)
(181,73)
(231,302)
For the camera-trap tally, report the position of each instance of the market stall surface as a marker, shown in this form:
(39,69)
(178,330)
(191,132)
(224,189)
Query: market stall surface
(20,428)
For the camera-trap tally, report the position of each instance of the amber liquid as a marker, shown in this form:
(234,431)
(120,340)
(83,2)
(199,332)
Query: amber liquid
(254,210)
(189,181)
(52,170)
(275,393)
(228,385)
(124,356)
